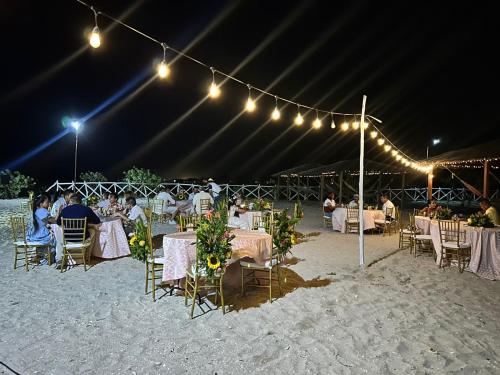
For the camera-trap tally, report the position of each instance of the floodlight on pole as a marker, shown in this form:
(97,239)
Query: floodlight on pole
(75,124)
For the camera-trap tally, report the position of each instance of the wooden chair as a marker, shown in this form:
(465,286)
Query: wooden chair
(257,221)
(197,280)
(352,220)
(327,220)
(154,264)
(28,250)
(453,244)
(205,206)
(269,271)
(188,223)
(407,233)
(25,207)
(157,206)
(75,244)
(384,224)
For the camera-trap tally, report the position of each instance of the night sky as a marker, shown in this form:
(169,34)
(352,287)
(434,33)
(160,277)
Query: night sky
(428,71)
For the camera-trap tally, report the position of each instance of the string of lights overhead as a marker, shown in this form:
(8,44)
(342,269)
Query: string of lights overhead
(214,91)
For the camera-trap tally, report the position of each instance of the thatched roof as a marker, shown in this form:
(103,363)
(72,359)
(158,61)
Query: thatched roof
(471,155)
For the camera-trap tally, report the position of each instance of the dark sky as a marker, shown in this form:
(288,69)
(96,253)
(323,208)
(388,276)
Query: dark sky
(429,70)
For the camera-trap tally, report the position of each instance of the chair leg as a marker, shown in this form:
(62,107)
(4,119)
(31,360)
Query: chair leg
(153,282)
(84,256)
(15,257)
(195,292)
(186,289)
(26,259)
(279,280)
(63,260)
(147,278)
(221,287)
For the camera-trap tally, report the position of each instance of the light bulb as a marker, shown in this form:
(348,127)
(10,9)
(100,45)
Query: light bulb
(317,123)
(403,161)
(332,125)
(398,157)
(387,148)
(275,115)
(95,38)
(299,120)
(365,125)
(250,105)
(394,152)
(381,141)
(163,70)
(355,125)
(344,126)
(373,134)
(214,91)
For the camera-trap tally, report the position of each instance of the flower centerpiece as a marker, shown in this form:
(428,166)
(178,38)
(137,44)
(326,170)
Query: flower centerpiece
(92,200)
(213,242)
(181,196)
(139,244)
(480,220)
(284,232)
(298,211)
(443,213)
(259,204)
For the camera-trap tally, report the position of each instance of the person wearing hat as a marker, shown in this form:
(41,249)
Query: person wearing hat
(214,190)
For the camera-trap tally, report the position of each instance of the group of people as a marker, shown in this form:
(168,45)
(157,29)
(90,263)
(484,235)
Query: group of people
(329,205)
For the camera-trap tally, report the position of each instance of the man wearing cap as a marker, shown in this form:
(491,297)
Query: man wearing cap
(214,190)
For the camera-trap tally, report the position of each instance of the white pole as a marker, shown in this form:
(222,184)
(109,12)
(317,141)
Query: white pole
(361,176)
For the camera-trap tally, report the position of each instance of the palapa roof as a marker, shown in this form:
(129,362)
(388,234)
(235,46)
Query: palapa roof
(470,155)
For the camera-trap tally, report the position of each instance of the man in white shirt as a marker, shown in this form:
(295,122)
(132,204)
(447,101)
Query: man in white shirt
(329,204)
(387,204)
(214,190)
(197,200)
(169,206)
(195,191)
(355,201)
(135,213)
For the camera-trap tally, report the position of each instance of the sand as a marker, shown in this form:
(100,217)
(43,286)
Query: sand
(400,316)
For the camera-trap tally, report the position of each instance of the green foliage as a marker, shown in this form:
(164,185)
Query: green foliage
(298,212)
(17,185)
(142,176)
(93,177)
(480,220)
(444,213)
(213,242)
(139,243)
(284,232)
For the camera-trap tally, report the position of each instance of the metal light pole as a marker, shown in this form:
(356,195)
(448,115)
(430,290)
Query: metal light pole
(76,126)
(361,190)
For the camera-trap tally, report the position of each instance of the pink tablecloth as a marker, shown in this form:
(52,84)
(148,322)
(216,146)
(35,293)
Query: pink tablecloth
(339,216)
(485,247)
(110,240)
(180,252)
(423,223)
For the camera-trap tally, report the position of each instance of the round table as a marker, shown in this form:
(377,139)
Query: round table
(180,252)
(339,216)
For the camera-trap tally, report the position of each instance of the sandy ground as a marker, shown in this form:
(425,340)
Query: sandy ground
(399,316)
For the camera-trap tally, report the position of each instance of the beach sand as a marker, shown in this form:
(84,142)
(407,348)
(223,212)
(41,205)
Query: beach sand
(400,315)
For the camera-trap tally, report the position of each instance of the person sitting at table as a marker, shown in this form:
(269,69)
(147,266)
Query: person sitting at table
(104,203)
(37,228)
(355,201)
(431,209)
(60,203)
(329,204)
(169,206)
(387,204)
(195,191)
(114,206)
(203,194)
(135,213)
(489,210)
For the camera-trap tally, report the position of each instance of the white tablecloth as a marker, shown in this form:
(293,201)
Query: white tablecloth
(180,252)
(244,221)
(339,216)
(110,240)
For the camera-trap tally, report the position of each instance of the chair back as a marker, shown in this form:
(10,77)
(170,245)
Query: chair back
(412,226)
(389,211)
(449,231)
(204,206)
(149,231)
(74,230)
(25,207)
(157,206)
(188,223)
(416,212)
(148,211)
(18,225)
(352,214)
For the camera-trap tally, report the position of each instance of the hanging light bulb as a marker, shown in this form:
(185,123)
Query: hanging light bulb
(365,125)
(403,161)
(299,120)
(387,148)
(95,37)
(213,91)
(398,157)
(344,126)
(381,141)
(317,122)
(250,104)
(332,124)
(394,152)
(355,125)
(373,134)
(275,115)
(163,69)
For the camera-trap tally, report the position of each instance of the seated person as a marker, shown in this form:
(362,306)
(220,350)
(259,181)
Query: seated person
(169,206)
(37,230)
(329,204)
(135,213)
(104,203)
(197,200)
(387,204)
(60,203)
(355,201)
(431,209)
(114,206)
(489,210)
(195,191)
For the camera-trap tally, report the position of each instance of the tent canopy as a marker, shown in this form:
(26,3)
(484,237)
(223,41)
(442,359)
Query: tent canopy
(470,155)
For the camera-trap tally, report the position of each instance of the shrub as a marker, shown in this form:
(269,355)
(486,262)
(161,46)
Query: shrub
(16,184)
(141,176)
(93,177)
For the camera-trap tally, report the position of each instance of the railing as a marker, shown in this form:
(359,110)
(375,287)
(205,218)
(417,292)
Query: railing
(290,192)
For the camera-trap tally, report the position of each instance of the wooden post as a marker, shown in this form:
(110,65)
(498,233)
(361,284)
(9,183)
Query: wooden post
(429,185)
(486,176)
(321,189)
(402,191)
(341,183)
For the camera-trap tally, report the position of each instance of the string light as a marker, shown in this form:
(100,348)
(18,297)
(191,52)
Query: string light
(214,90)
(275,115)
(355,125)
(380,141)
(163,68)
(398,157)
(332,124)
(299,120)
(317,122)
(365,125)
(344,126)
(387,148)
(394,152)
(95,37)
(250,104)
(373,134)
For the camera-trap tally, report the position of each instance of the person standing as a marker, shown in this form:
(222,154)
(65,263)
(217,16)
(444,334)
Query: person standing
(214,190)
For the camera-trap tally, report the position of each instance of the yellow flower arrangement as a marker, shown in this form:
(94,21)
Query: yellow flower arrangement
(142,243)
(132,240)
(213,262)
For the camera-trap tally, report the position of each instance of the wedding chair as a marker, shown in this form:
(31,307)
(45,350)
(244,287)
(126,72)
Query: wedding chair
(75,244)
(205,206)
(416,212)
(197,280)
(352,220)
(384,224)
(420,242)
(453,244)
(188,223)
(158,206)
(24,248)
(154,264)
(253,273)
(327,220)
(25,207)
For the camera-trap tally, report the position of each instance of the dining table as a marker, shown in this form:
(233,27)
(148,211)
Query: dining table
(484,242)
(339,216)
(180,251)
